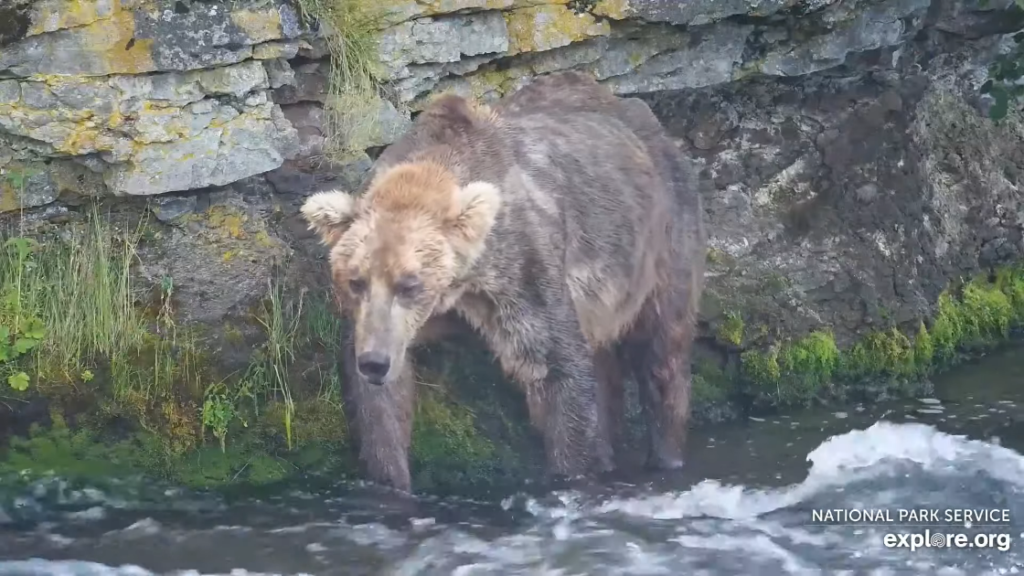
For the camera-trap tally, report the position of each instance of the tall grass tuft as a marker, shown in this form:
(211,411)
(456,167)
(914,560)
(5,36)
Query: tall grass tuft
(350,29)
(79,288)
(268,374)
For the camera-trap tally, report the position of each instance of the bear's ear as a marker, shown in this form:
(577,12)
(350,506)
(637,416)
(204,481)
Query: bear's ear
(329,214)
(474,210)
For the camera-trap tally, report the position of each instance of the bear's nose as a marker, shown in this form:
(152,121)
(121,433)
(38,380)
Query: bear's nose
(374,366)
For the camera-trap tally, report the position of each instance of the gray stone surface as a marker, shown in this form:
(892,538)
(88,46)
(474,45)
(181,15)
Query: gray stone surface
(229,146)
(222,258)
(162,132)
(171,208)
(850,202)
(120,40)
(441,40)
(26,186)
(876,27)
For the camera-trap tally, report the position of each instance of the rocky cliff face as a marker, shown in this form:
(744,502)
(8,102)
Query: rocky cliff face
(850,171)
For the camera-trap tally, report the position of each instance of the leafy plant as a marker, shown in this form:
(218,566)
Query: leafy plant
(20,330)
(217,413)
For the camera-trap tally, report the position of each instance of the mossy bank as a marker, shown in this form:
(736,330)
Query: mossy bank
(971,319)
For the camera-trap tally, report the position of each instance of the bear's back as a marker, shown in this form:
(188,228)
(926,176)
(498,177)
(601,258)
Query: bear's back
(605,189)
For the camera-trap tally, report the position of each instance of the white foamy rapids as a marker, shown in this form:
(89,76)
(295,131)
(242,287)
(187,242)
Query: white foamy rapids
(838,461)
(711,529)
(718,529)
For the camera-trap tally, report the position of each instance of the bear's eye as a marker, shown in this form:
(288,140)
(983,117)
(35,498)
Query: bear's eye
(408,286)
(357,285)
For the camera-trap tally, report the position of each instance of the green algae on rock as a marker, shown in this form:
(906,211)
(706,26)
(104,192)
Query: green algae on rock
(977,320)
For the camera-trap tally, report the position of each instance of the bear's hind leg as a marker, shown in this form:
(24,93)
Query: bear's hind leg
(380,422)
(610,374)
(659,351)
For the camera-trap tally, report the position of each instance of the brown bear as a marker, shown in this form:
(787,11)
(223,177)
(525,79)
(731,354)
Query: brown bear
(565,227)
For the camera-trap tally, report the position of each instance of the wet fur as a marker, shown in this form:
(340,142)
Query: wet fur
(567,229)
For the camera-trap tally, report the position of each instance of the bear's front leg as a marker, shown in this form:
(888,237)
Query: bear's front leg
(380,422)
(543,349)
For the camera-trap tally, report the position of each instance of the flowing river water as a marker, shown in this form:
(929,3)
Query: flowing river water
(743,507)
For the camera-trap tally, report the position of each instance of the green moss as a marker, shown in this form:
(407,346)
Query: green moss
(86,454)
(924,349)
(981,317)
(731,329)
(209,467)
(447,446)
(72,453)
(713,392)
(814,358)
(471,430)
(761,367)
(880,353)
(792,372)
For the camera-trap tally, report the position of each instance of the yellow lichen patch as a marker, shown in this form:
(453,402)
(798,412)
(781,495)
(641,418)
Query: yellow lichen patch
(259,26)
(113,42)
(529,3)
(264,239)
(229,222)
(614,9)
(162,125)
(545,27)
(52,15)
(500,82)
(115,120)
(449,6)
(498,4)
(9,200)
(82,140)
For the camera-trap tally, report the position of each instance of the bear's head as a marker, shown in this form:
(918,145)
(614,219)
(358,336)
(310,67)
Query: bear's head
(397,250)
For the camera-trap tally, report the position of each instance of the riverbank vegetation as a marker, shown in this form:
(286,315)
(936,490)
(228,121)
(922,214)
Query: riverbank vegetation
(127,388)
(970,319)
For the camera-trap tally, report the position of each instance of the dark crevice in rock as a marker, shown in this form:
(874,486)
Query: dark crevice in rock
(14,22)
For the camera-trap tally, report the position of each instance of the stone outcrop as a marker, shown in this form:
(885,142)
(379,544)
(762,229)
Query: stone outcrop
(850,170)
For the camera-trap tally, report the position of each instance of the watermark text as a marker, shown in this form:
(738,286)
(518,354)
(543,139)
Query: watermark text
(929,539)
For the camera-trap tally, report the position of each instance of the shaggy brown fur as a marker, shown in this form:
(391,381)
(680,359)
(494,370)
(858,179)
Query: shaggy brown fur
(565,227)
